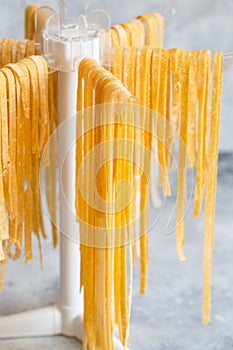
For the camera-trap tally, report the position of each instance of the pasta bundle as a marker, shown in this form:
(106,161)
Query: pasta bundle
(104,277)
(211,157)
(51,169)
(147,73)
(146,30)
(24,117)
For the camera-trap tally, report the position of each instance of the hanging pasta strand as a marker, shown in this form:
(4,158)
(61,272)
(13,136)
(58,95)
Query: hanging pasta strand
(136,32)
(42,70)
(160,21)
(120,279)
(155,85)
(123,35)
(79,209)
(183,68)
(168,133)
(19,167)
(129,61)
(162,113)
(28,166)
(21,49)
(6,51)
(127,170)
(42,75)
(4,229)
(114,38)
(103,91)
(204,60)
(30,48)
(117,63)
(30,21)
(100,223)
(152,30)
(211,182)
(176,92)
(51,170)
(106,86)
(145,64)
(123,170)
(154,106)
(192,106)
(6,165)
(129,81)
(11,98)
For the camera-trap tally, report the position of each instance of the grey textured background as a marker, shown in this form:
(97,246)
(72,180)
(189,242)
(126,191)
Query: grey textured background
(198,24)
(169,317)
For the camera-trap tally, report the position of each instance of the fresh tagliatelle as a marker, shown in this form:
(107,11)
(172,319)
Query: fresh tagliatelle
(23,106)
(30,21)
(211,158)
(147,73)
(184,94)
(107,261)
(146,30)
(154,24)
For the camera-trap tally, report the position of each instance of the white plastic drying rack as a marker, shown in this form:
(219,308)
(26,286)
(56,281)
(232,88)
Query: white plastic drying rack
(64,44)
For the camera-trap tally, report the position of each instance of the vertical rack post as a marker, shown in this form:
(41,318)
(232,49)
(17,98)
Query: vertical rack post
(71,302)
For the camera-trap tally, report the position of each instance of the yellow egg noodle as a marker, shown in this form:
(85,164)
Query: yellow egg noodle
(51,169)
(30,21)
(22,104)
(203,79)
(143,82)
(136,32)
(154,29)
(183,68)
(146,30)
(211,158)
(99,329)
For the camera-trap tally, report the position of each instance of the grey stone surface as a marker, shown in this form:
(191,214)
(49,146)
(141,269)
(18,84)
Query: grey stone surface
(58,343)
(169,316)
(198,24)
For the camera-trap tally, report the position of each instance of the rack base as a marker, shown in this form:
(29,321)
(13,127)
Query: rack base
(45,322)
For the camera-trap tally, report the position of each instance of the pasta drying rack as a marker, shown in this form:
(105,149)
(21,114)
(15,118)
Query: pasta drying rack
(63,44)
